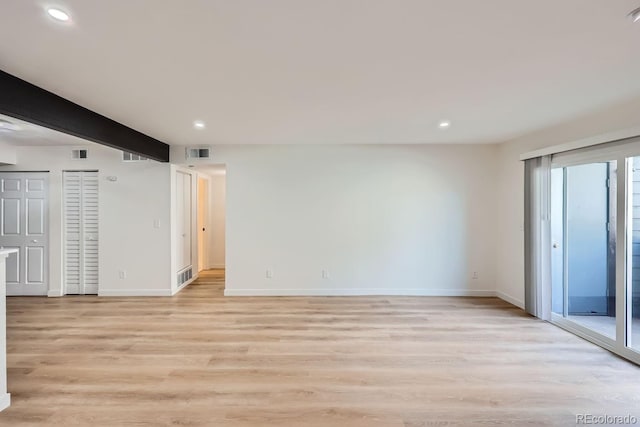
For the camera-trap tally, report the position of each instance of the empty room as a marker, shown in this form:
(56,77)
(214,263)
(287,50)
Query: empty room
(367,213)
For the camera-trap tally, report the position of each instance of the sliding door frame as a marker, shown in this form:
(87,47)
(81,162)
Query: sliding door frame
(621,152)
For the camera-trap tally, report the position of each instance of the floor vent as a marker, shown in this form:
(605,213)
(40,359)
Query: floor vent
(185,275)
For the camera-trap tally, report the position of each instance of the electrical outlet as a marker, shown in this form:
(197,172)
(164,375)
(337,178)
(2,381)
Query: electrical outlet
(122,274)
(156,223)
(325,274)
(268,273)
(475,275)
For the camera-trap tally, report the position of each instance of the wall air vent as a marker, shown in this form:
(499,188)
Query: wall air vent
(185,275)
(131,157)
(79,154)
(198,153)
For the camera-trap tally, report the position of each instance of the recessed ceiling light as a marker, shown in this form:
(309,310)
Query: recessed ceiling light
(444,124)
(635,15)
(199,124)
(58,14)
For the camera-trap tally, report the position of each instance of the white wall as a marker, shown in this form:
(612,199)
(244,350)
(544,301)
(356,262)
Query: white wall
(7,153)
(128,209)
(415,220)
(217,196)
(510,260)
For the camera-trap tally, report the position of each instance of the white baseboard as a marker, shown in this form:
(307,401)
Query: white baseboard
(5,401)
(510,299)
(312,292)
(134,293)
(218,266)
(55,294)
(360,292)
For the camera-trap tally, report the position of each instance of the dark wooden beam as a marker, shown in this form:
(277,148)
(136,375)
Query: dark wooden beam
(25,101)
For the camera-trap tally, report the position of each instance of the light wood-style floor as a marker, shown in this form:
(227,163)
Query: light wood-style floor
(201,359)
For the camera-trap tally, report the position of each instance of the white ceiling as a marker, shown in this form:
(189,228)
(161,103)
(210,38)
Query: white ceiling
(27,134)
(329,71)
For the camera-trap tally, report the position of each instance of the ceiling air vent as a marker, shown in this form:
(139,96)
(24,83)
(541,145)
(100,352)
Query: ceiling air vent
(197,153)
(79,154)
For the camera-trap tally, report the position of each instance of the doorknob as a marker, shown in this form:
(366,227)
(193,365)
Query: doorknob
(555,246)
(34,241)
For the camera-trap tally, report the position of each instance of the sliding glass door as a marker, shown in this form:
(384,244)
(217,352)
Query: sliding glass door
(592,244)
(583,239)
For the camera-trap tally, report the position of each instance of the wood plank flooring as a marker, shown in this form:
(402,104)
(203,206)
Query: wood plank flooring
(202,359)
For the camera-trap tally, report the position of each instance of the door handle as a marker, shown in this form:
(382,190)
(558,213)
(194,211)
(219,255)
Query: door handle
(34,241)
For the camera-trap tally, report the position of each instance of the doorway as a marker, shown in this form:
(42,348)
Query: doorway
(211,219)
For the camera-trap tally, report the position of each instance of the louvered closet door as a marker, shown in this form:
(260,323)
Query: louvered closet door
(81,232)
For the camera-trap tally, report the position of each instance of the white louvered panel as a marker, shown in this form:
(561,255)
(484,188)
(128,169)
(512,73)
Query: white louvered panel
(81,231)
(72,230)
(90,226)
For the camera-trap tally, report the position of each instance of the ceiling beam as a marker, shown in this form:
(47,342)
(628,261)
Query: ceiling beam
(25,101)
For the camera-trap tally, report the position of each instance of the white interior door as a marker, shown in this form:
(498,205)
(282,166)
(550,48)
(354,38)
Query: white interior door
(24,226)
(81,232)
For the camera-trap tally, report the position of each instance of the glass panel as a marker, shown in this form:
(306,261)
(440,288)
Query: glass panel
(583,239)
(633,254)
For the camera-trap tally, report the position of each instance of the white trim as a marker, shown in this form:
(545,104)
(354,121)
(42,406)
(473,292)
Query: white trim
(5,401)
(55,293)
(511,300)
(134,293)
(361,292)
(582,143)
(217,266)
